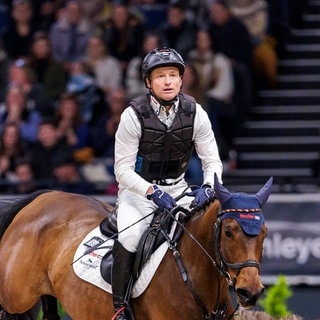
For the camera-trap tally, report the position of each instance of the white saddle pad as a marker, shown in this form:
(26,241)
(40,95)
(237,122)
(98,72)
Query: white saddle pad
(87,266)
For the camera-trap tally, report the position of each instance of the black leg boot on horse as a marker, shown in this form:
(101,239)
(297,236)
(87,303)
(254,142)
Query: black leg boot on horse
(123,261)
(49,308)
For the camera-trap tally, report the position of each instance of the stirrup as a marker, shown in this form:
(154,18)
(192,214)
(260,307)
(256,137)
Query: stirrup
(119,313)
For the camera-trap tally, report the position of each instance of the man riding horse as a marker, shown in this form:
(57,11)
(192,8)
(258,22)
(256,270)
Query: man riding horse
(155,140)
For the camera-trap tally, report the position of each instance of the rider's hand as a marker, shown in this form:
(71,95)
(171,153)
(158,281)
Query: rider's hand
(162,199)
(202,196)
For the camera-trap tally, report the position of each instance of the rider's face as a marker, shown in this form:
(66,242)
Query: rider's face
(165,82)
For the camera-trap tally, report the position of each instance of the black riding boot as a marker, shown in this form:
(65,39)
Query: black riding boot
(123,261)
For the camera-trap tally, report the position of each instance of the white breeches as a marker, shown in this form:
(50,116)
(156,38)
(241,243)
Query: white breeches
(133,207)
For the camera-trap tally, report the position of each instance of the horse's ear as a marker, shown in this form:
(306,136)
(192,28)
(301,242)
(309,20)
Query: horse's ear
(263,194)
(221,192)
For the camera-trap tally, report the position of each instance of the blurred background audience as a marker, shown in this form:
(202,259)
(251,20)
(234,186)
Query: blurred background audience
(50,73)
(70,33)
(134,83)
(69,67)
(18,36)
(105,68)
(15,109)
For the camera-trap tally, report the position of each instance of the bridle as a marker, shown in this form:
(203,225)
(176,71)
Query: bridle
(218,261)
(221,264)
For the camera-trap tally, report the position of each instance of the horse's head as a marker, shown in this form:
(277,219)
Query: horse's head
(239,235)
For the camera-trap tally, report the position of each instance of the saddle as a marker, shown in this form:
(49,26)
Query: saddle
(155,235)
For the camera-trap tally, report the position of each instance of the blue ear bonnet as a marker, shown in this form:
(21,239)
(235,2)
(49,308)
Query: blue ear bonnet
(246,209)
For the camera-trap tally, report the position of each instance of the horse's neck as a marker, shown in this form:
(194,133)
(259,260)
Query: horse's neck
(197,252)
(192,267)
(200,233)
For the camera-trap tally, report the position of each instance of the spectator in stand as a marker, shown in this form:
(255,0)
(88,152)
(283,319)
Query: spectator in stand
(215,69)
(50,73)
(68,177)
(55,5)
(103,133)
(254,15)
(134,83)
(69,35)
(284,15)
(106,68)
(197,10)
(7,176)
(12,145)
(179,32)
(231,37)
(4,15)
(45,12)
(103,139)
(96,10)
(123,33)
(216,79)
(72,128)
(11,148)
(20,73)
(24,177)
(4,65)
(15,109)
(191,84)
(46,150)
(82,83)
(17,38)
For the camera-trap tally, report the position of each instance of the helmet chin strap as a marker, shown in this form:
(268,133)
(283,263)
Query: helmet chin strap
(164,102)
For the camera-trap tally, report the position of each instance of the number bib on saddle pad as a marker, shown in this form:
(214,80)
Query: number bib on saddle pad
(87,265)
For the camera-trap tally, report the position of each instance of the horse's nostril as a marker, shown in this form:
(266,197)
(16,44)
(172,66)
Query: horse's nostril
(243,294)
(246,297)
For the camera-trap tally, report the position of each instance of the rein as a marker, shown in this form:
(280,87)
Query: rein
(100,245)
(220,313)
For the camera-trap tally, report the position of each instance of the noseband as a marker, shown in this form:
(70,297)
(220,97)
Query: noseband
(222,265)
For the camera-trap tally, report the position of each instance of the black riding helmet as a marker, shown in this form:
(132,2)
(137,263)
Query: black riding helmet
(161,57)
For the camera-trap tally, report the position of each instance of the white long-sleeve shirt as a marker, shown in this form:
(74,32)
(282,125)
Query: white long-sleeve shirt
(128,137)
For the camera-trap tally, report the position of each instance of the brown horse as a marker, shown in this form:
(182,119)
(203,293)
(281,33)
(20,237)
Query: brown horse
(219,247)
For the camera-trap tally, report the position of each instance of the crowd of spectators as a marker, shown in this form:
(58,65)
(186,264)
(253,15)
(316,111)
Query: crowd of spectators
(69,67)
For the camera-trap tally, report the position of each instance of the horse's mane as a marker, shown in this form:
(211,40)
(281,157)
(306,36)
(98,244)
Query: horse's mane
(10,208)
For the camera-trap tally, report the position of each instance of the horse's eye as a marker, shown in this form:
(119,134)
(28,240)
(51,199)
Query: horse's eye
(228,233)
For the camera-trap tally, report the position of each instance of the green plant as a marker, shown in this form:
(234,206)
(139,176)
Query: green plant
(61,312)
(275,301)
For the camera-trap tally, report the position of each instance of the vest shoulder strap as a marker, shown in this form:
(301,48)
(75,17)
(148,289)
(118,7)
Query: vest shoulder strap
(141,105)
(188,104)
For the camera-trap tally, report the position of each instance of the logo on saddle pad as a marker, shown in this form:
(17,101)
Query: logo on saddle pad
(87,266)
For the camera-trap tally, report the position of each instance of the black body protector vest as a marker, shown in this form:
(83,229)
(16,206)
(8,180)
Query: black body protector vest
(164,152)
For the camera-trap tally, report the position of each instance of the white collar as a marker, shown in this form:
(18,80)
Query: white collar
(157,107)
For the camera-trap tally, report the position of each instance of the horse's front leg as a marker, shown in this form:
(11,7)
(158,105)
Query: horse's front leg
(49,308)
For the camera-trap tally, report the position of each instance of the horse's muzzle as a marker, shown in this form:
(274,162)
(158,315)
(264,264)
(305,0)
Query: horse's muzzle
(246,298)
